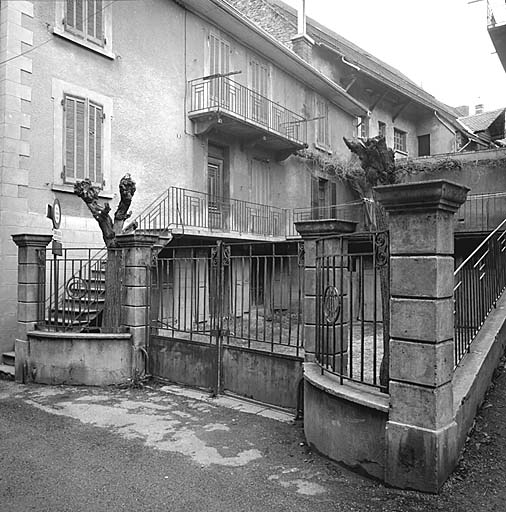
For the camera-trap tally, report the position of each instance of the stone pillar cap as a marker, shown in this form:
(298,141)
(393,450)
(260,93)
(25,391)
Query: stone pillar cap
(324,227)
(31,240)
(422,195)
(136,240)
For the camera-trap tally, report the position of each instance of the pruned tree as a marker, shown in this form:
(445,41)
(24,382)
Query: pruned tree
(110,227)
(378,166)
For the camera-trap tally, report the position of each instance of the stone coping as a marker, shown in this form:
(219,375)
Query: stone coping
(99,336)
(31,239)
(324,227)
(422,195)
(350,391)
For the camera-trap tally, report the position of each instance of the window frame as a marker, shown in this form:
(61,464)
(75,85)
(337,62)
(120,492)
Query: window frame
(404,141)
(61,89)
(81,38)
(382,129)
(322,125)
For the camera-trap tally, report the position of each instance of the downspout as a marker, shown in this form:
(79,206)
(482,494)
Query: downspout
(449,128)
(349,63)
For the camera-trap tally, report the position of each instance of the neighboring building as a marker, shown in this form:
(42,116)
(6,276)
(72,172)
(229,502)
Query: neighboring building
(413,122)
(187,96)
(487,125)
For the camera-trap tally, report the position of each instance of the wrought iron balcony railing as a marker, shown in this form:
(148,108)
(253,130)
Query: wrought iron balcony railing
(179,208)
(224,95)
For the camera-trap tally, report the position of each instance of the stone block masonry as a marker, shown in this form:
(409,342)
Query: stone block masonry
(421,440)
(15,120)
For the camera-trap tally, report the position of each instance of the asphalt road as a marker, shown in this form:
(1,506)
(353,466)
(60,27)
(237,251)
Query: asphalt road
(83,449)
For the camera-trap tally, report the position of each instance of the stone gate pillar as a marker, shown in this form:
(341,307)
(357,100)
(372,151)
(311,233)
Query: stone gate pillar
(135,313)
(310,231)
(31,276)
(421,444)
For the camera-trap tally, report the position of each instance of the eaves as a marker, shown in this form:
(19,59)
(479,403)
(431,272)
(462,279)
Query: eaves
(230,20)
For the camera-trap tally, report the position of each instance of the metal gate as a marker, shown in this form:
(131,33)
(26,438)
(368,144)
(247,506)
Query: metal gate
(229,317)
(351,270)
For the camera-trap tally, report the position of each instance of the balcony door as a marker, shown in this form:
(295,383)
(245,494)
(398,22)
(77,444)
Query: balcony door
(216,188)
(259,78)
(219,64)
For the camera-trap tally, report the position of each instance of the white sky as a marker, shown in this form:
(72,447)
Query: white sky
(442,45)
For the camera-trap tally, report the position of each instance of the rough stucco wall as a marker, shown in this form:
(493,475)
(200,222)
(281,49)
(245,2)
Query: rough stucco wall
(482,171)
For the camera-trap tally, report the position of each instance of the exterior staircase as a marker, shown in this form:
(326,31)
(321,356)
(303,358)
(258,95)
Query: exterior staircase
(7,366)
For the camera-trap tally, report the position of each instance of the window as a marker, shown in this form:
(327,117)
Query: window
(83,138)
(400,138)
(424,145)
(85,22)
(382,129)
(322,123)
(84,18)
(259,80)
(363,127)
(323,198)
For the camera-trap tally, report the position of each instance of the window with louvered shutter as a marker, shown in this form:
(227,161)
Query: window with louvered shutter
(83,140)
(322,123)
(85,18)
(219,63)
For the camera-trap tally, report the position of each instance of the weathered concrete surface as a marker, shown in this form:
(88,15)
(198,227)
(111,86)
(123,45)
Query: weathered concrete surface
(89,359)
(55,458)
(347,427)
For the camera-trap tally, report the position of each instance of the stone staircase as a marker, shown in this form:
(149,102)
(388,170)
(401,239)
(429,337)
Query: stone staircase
(7,366)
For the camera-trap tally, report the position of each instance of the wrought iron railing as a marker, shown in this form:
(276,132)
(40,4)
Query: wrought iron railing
(71,290)
(183,208)
(251,295)
(222,93)
(481,212)
(479,282)
(349,327)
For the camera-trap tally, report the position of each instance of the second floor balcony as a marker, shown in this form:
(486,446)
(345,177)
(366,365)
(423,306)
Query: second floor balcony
(221,104)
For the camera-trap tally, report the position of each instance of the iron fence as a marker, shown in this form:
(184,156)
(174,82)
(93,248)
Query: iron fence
(250,295)
(71,289)
(183,208)
(349,335)
(223,93)
(479,282)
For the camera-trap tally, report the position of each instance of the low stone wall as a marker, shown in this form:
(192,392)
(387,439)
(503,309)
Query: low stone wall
(473,376)
(345,422)
(91,359)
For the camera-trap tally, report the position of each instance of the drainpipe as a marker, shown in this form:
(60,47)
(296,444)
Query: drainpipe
(449,128)
(349,63)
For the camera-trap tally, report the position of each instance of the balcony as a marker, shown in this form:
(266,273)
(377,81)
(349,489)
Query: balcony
(235,111)
(189,212)
(496,25)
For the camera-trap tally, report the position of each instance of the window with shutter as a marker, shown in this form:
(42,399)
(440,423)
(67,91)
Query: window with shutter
(219,64)
(322,123)
(85,19)
(83,146)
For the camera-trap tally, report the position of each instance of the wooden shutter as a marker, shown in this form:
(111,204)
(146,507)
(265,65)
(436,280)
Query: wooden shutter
(94,15)
(75,16)
(95,121)
(314,197)
(322,127)
(74,143)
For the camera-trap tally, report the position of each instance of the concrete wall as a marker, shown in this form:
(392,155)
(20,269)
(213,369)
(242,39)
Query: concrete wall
(345,423)
(481,171)
(75,359)
(266,377)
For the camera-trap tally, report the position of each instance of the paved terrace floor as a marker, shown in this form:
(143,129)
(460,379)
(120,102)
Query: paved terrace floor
(170,449)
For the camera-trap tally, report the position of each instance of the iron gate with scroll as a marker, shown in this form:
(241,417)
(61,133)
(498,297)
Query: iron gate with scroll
(349,327)
(228,317)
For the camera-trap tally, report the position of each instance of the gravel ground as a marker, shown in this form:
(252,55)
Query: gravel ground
(84,449)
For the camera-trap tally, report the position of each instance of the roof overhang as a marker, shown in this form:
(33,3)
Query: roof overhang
(234,23)
(397,86)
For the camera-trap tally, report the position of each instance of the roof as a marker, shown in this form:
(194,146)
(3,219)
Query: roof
(481,122)
(368,64)
(231,20)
